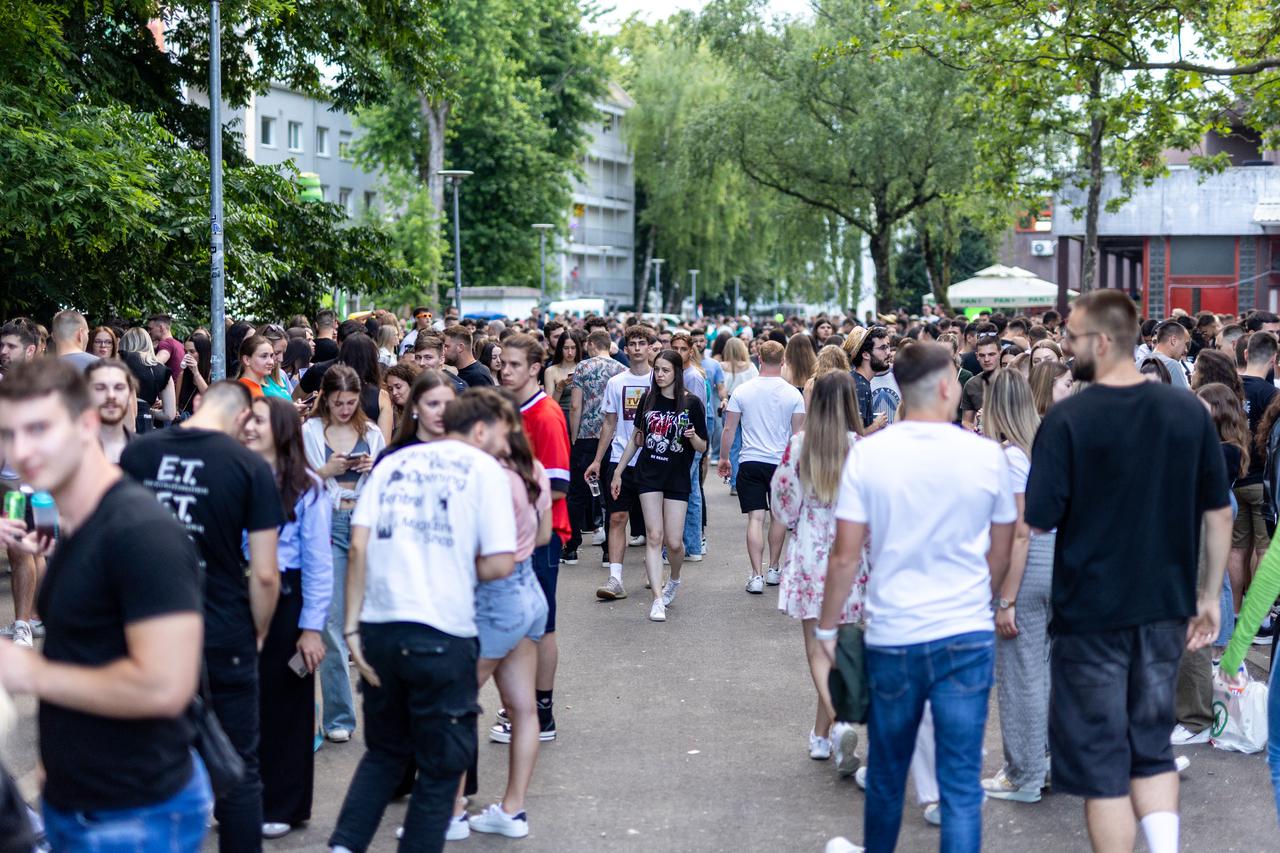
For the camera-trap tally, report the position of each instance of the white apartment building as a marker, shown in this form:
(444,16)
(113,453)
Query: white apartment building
(598,258)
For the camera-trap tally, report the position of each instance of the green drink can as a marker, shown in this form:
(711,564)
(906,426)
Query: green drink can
(15,505)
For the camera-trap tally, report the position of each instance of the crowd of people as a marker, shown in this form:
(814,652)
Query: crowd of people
(341,500)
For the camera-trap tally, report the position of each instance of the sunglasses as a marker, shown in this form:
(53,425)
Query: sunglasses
(425,315)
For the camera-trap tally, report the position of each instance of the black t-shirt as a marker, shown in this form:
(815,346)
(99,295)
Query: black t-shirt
(326,349)
(969,361)
(666,455)
(1231,459)
(217,489)
(476,375)
(310,381)
(129,561)
(1124,474)
(1258,394)
(862,389)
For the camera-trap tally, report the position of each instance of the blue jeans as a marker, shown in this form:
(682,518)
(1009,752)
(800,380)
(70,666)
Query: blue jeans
(1273,737)
(735,451)
(715,429)
(693,515)
(955,674)
(335,684)
(176,825)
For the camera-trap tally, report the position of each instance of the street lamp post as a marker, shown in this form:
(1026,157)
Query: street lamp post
(542,228)
(696,312)
(217,291)
(657,281)
(456,177)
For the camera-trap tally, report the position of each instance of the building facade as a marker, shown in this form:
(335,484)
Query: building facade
(597,259)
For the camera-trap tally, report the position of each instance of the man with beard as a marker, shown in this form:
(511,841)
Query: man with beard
(111,386)
(868,351)
(987,349)
(1125,594)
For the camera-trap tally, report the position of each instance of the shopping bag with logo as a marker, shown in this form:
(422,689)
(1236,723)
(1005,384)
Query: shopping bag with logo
(1239,716)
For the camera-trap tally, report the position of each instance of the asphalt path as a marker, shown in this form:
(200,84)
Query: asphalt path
(692,736)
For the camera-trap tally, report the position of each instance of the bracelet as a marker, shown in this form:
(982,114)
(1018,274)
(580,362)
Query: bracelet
(350,633)
(823,634)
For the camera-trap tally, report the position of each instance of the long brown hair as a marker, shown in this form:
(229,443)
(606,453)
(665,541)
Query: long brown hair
(1217,367)
(293,475)
(1228,417)
(651,396)
(1043,377)
(339,378)
(407,428)
(800,359)
(833,414)
(1008,410)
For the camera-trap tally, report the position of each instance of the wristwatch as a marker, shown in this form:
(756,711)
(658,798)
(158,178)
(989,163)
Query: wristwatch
(1003,603)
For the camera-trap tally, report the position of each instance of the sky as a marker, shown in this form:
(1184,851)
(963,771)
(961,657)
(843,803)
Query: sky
(656,10)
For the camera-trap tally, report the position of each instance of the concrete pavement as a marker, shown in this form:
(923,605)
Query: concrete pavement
(692,736)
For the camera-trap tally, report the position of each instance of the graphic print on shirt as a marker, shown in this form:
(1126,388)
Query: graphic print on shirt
(404,503)
(631,395)
(175,485)
(664,433)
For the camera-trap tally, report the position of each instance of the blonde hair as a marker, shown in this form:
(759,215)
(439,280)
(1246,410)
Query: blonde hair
(138,341)
(833,414)
(1008,410)
(830,358)
(736,356)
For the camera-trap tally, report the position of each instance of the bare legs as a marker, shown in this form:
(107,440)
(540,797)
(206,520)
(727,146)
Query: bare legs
(514,675)
(755,539)
(819,669)
(664,525)
(1113,821)
(24,579)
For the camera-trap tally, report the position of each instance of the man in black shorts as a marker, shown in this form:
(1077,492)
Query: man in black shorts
(1125,596)
(770,410)
(622,396)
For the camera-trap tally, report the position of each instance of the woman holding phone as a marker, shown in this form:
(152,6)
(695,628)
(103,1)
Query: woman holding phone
(341,444)
(294,648)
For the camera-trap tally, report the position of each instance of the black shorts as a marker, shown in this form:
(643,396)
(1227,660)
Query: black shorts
(667,495)
(627,497)
(755,479)
(1111,707)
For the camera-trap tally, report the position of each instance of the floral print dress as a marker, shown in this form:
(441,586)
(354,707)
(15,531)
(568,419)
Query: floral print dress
(813,529)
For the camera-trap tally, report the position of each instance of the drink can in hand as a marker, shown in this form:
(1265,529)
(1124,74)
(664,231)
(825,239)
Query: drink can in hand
(15,505)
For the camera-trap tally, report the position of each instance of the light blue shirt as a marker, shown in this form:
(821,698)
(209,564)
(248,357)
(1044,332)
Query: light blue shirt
(304,544)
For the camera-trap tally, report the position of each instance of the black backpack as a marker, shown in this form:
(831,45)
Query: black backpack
(1270,485)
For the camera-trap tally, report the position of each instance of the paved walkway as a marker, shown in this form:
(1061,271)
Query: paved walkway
(692,736)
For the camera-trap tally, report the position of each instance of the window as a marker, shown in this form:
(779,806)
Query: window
(295,136)
(267,135)
(369,199)
(324,192)
(322,141)
(1202,256)
(344,145)
(344,199)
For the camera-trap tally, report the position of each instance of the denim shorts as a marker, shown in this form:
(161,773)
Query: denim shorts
(510,609)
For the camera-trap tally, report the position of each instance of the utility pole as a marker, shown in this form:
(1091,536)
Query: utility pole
(455,177)
(217,291)
(543,228)
(696,312)
(657,282)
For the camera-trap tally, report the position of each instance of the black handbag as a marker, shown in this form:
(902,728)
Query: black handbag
(221,760)
(850,693)
(16,834)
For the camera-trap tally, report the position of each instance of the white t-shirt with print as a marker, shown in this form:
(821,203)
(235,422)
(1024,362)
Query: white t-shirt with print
(431,510)
(622,397)
(929,576)
(766,404)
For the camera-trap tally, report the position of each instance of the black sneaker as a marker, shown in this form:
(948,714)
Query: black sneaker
(547,731)
(1263,637)
(501,733)
(569,558)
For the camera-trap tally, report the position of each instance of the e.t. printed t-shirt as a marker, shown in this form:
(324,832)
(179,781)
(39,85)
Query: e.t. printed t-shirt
(431,509)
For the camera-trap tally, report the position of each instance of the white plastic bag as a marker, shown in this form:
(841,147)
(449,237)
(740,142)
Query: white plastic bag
(1239,718)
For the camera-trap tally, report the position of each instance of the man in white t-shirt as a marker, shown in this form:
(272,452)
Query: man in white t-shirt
(770,410)
(435,519)
(937,555)
(621,398)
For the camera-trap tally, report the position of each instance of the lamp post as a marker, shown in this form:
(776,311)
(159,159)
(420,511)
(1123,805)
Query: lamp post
(455,177)
(604,253)
(696,312)
(542,228)
(217,292)
(657,280)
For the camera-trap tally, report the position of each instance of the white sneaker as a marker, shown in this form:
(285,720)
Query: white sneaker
(460,828)
(1181,763)
(844,740)
(275,830)
(773,577)
(933,814)
(755,585)
(22,634)
(843,845)
(1182,736)
(338,735)
(1000,787)
(819,747)
(861,777)
(636,541)
(693,558)
(669,591)
(658,612)
(495,820)
(598,537)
